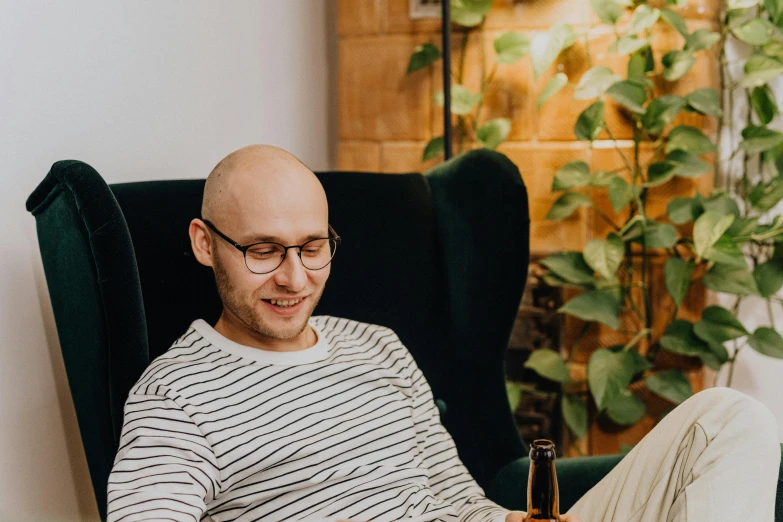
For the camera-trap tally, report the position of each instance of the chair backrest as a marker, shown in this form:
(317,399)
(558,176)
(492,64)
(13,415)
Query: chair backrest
(441,258)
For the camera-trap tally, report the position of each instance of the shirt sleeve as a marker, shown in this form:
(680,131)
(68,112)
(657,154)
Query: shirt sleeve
(449,479)
(164,469)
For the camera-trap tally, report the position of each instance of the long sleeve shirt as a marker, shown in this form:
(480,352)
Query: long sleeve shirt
(346,429)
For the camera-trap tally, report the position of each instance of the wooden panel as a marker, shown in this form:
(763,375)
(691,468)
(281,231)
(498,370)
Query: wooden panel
(376,99)
(405,157)
(358,17)
(363,156)
(537,14)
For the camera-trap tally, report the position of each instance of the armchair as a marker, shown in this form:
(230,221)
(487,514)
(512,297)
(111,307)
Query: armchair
(441,258)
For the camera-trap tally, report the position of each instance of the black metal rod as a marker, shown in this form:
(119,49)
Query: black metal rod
(446,35)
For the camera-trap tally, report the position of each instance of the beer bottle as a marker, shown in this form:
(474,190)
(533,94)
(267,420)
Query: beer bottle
(543,498)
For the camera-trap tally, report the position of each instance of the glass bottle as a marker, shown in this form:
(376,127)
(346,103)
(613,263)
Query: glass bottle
(543,498)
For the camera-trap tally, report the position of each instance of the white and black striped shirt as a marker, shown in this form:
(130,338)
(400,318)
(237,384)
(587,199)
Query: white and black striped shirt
(348,428)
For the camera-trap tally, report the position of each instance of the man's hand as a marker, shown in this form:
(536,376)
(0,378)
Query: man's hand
(519,516)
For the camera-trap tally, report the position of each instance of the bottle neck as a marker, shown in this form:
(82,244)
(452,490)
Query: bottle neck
(543,501)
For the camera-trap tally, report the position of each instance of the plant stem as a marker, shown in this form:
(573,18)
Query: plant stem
(771,314)
(732,362)
(606,218)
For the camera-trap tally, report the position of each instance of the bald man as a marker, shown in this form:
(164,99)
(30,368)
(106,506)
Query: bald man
(275,414)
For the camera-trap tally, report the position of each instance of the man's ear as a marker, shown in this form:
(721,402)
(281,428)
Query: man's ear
(200,242)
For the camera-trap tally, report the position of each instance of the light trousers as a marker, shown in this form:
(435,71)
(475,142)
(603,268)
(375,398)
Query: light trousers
(714,458)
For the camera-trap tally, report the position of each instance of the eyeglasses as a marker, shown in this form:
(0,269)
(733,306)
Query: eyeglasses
(267,256)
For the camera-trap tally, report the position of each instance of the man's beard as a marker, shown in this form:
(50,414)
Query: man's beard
(246,311)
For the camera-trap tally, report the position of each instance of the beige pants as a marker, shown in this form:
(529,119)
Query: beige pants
(714,458)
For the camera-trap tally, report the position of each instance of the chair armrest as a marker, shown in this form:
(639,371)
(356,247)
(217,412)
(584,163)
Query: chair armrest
(575,477)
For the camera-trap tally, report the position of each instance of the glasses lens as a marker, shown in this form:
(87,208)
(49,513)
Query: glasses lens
(264,257)
(317,253)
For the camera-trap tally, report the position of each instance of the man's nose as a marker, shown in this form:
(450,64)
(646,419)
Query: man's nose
(291,273)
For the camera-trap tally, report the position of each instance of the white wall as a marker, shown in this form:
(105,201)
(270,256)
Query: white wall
(140,90)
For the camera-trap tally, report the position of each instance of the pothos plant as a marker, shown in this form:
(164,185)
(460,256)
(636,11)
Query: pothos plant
(730,239)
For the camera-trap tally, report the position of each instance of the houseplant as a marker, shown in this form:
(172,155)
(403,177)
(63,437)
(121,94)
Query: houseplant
(726,239)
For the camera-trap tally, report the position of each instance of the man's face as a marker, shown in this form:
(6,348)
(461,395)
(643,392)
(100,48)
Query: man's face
(275,306)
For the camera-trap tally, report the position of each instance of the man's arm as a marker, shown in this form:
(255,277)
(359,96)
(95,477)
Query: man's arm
(164,469)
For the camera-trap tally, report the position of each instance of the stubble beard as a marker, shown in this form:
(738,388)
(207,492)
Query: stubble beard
(245,309)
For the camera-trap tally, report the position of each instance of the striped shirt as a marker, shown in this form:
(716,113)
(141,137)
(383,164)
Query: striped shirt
(346,429)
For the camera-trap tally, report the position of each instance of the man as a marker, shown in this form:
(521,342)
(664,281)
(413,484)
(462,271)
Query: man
(274,414)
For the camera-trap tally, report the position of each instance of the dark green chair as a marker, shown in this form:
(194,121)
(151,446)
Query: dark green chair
(441,258)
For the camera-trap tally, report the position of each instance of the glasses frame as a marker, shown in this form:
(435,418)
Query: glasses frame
(244,248)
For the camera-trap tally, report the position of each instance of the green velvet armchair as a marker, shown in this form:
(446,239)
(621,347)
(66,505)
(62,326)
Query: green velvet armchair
(441,258)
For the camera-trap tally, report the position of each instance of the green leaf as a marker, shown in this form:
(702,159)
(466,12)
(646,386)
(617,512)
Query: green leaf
(679,338)
(605,256)
(595,82)
(548,364)
(494,132)
(760,69)
(469,13)
(629,44)
(514,394)
(766,196)
(769,277)
(727,252)
(594,305)
(705,101)
(774,8)
(730,280)
(546,47)
(510,47)
(690,139)
(678,274)
(708,229)
(423,56)
(671,385)
(762,99)
(608,374)
(638,66)
(659,173)
(656,235)
(590,122)
(643,18)
(629,94)
(621,193)
(701,39)
(434,148)
(661,111)
(682,210)
(674,19)
(721,203)
(557,82)
(774,49)
(574,174)
(601,178)
(574,413)
(687,165)
(718,325)
(676,64)
(715,357)
(608,11)
(759,139)
(742,227)
(567,204)
(755,31)
(626,408)
(570,266)
(767,341)
(462,100)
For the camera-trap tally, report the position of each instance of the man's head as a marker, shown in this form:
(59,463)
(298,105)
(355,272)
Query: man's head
(262,193)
